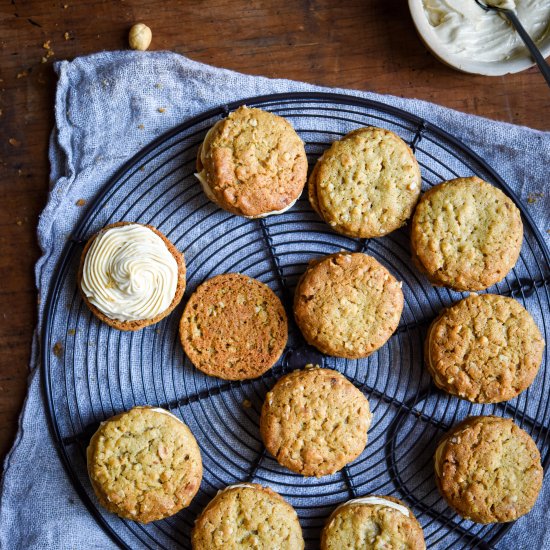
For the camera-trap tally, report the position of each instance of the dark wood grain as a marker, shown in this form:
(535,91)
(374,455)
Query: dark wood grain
(364,44)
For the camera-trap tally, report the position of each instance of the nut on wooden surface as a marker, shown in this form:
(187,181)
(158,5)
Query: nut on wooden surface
(140,37)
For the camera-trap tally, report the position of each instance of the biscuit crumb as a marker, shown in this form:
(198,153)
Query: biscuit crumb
(14,142)
(49,51)
(71,332)
(534,197)
(22,74)
(141,127)
(80,202)
(247,404)
(67,36)
(57,349)
(161,109)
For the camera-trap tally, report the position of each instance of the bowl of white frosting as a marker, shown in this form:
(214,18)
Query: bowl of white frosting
(464,36)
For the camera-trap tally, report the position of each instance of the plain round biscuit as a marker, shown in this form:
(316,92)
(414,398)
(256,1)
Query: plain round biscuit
(315,421)
(367,184)
(371,527)
(348,305)
(488,469)
(247,517)
(254,161)
(233,327)
(135,325)
(144,464)
(466,234)
(485,349)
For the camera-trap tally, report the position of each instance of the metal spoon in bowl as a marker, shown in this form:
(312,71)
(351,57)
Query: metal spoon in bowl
(513,18)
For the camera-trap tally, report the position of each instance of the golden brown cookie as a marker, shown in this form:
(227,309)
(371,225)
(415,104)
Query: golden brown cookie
(233,327)
(252,163)
(366,184)
(348,305)
(488,469)
(485,349)
(314,421)
(466,234)
(131,276)
(247,515)
(144,464)
(372,522)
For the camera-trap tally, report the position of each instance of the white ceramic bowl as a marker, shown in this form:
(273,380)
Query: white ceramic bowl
(493,68)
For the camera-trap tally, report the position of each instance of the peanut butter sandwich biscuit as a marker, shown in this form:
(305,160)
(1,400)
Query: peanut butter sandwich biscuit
(371,523)
(144,464)
(485,349)
(366,184)
(252,163)
(315,421)
(488,469)
(466,234)
(348,305)
(247,515)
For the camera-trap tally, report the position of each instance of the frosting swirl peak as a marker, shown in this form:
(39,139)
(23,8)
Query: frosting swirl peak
(129,273)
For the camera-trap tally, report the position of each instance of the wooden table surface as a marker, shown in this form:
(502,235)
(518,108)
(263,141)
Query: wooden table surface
(363,44)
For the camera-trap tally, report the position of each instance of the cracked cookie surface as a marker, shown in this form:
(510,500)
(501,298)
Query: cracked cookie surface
(247,515)
(348,305)
(485,349)
(488,469)
(367,184)
(361,526)
(252,163)
(315,421)
(466,234)
(144,464)
(233,327)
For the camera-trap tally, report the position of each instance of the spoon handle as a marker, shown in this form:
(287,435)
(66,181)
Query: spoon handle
(535,53)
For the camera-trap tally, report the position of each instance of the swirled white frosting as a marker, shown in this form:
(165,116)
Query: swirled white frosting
(129,274)
(467,30)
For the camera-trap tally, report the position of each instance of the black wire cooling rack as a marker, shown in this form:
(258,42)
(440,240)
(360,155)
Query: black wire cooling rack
(96,371)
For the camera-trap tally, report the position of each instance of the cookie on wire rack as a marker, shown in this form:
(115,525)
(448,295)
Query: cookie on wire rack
(370,523)
(314,421)
(233,327)
(348,305)
(247,515)
(131,276)
(366,184)
(486,349)
(488,469)
(466,234)
(252,163)
(144,464)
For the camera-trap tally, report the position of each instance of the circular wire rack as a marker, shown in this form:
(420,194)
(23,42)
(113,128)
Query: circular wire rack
(92,372)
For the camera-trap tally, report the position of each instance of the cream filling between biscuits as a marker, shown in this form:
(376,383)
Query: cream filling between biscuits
(376,501)
(164,411)
(437,457)
(201,176)
(129,274)
(236,486)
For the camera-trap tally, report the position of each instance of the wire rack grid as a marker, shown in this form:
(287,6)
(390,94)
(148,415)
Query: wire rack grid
(101,371)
